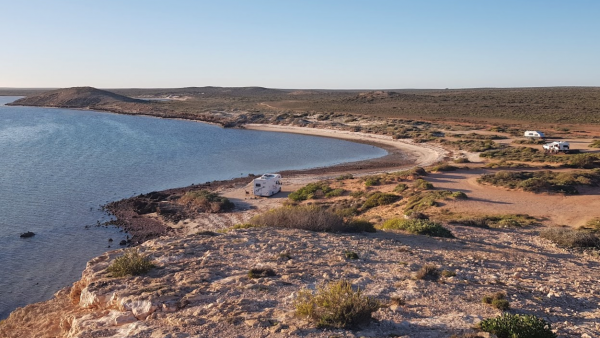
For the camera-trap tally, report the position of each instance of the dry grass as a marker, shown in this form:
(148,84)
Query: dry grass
(132,262)
(570,238)
(336,305)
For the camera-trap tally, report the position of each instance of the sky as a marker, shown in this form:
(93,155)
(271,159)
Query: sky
(326,44)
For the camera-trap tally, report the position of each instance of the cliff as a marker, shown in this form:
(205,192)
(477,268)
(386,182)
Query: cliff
(200,286)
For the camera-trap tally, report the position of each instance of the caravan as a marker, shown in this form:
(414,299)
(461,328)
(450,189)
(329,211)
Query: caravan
(267,185)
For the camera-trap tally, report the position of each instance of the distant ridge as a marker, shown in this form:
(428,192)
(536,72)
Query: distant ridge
(76,97)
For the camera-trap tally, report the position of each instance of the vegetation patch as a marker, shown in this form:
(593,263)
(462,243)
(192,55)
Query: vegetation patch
(542,181)
(461,160)
(378,199)
(309,217)
(206,201)
(311,191)
(421,184)
(350,254)
(496,221)
(424,200)
(372,180)
(497,300)
(400,187)
(593,225)
(595,144)
(443,167)
(336,305)
(131,263)
(474,146)
(417,227)
(570,238)
(528,154)
(358,225)
(344,177)
(517,326)
(411,173)
(261,273)
(475,136)
(428,272)
(530,140)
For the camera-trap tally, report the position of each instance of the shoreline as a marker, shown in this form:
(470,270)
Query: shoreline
(402,154)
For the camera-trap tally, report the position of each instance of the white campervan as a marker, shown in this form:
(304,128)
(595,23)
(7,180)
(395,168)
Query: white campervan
(534,133)
(267,185)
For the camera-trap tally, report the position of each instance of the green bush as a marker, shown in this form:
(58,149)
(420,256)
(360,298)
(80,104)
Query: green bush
(517,326)
(570,238)
(443,167)
(335,193)
(350,254)
(417,227)
(461,160)
(344,177)
(378,199)
(459,195)
(372,180)
(414,172)
(543,181)
(206,200)
(132,262)
(336,305)
(359,225)
(310,191)
(497,300)
(400,187)
(595,144)
(593,225)
(421,184)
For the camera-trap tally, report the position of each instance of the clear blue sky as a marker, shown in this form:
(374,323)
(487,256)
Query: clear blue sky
(300,44)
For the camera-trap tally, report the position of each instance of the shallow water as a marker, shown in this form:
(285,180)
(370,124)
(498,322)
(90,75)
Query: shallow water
(57,166)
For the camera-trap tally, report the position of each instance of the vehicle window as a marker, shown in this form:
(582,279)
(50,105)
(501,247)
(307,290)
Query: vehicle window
(258,184)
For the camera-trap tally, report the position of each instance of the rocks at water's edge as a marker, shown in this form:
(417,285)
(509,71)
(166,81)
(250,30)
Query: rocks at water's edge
(27,234)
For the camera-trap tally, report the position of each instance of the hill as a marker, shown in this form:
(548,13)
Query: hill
(77,97)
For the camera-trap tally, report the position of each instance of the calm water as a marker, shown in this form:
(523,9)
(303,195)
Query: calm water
(57,166)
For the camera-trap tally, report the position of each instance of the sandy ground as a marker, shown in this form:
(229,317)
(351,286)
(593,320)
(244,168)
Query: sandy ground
(553,209)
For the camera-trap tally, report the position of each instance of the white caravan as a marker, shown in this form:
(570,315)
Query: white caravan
(555,147)
(267,185)
(534,134)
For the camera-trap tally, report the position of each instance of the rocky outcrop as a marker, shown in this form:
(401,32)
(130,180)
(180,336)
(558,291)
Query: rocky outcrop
(200,286)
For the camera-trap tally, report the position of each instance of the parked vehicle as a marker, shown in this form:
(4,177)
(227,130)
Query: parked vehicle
(556,147)
(534,134)
(267,185)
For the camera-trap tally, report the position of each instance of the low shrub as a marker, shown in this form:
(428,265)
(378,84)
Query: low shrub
(459,195)
(497,221)
(595,144)
(344,177)
(206,201)
(593,225)
(448,273)
(417,227)
(475,136)
(301,217)
(261,272)
(443,167)
(372,180)
(461,160)
(497,300)
(336,305)
(359,225)
(517,326)
(421,184)
(335,193)
(400,188)
(132,262)
(474,146)
(424,200)
(428,272)
(570,238)
(378,199)
(351,255)
(529,140)
(310,191)
(414,172)
(543,181)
